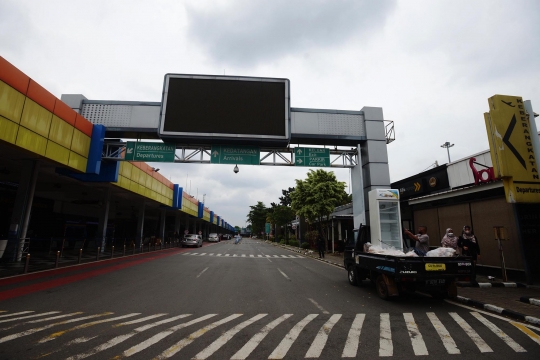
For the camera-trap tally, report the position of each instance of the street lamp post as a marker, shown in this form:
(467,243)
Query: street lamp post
(447,145)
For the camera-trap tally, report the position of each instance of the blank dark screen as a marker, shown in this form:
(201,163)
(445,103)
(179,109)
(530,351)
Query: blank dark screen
(225,106)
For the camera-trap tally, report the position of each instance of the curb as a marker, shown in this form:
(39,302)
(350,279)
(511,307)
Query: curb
(488,285)
(530,300)
(314,258)
(498,310)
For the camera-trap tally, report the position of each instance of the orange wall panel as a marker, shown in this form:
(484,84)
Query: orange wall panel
(83,125)
(13,76)
(40,95)
(64,112)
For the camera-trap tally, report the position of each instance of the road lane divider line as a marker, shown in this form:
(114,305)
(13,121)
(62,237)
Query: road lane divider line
(473,335)
(497,331)
(252,344)
(321,338)
(223,339)
(139,320)
(386,347)
(17,313)
(202,272)
(531,334)
(243,255)
(445,336)
(218,255)
(41,320)
(281,350)
(171,351)
(227,254)
(353,338)
(203,254)
(318,306)
(121,338)
(417,341)
(285,275)
(35,330)
(251,255)
(28,316)
(84,326)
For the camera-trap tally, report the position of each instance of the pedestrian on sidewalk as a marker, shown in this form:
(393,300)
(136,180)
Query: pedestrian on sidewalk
(320,246)
(450,240)
(468,243)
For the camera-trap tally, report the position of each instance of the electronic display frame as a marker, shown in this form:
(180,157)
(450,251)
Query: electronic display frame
(266,101)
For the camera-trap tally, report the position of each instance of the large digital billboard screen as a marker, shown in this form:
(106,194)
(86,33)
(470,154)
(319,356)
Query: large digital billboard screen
(203,109)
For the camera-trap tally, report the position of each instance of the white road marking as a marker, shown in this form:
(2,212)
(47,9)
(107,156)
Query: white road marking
(121,338)
(202,272)
(193,336)
(259,255)
(501,334)
(227,254)
(35,330)
(223,339)
(446,339)
(29,316)
(234,255)
(319,306)
(276,256)
(83,326)
(353,339)
(194,253)
(284,256)
(203,254)
(252,344)
(534,336)
(319,343)
(281,350)
(41,320)
(218,255)
(267,256)
(18,313)
(418,344)
(80,340)
(243,255)
(139,320)
(282,273)
(473,335)
(386,348)
(212,254)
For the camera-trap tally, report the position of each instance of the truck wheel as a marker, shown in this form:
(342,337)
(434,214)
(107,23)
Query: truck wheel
(352,276)
(382,289)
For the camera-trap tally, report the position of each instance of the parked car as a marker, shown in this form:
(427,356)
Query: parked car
(213,237)
(191,240)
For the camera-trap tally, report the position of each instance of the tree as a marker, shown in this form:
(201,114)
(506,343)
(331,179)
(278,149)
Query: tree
(237,229)
(285,200)
(316,197)
(257,217)
(281,215)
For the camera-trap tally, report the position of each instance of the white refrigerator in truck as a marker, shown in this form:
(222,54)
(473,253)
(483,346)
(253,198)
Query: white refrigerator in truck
(385,219)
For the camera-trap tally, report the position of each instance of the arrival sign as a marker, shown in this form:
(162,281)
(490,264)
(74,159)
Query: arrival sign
(238,155)
(314,157)
(150,151)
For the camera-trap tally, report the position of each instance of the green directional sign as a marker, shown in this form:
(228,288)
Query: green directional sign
(313,157)
(150,151)
(238,155)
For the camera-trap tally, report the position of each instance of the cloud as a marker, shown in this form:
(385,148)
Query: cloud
(247,32)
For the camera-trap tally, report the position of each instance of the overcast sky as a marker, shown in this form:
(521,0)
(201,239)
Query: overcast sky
(431,65)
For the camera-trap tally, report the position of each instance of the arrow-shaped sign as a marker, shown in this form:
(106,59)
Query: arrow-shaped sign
(299,151)
(215,153)
(299,161)
(130,150)
(506,140)
(417,186)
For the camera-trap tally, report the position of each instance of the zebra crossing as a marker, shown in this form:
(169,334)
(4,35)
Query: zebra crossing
(249,256)
(169,335)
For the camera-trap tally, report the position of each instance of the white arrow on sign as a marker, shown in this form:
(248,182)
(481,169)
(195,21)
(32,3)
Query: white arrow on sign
(299,161)
(299,151)
(130,150)
(215,153)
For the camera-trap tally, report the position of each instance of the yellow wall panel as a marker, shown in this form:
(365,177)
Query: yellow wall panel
(37,118)
(133,186)
(11,102)
(31,141)
(148,193)
(124,182)
(8,130)
(148,181)
(142,190)
(61,132)
(154,184)
(126,170)
(77,161)
(142,177)
(57,153)
(135,172)
(170,193)
(80,143)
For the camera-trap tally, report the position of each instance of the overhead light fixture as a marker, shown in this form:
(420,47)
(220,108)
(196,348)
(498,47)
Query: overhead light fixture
(236,170)
(154,169)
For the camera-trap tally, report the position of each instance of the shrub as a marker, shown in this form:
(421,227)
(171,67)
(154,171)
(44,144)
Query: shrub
(283,242)
(294,243)
(305,245)
(292,237)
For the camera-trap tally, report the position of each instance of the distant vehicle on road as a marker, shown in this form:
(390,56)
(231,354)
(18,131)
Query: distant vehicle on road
(213,237)
(191,240)
(226,237)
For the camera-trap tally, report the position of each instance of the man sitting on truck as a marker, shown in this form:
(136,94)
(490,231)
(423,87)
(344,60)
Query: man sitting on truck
(422,240)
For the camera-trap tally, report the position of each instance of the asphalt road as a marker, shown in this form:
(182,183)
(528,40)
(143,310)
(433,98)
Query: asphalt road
(245,301)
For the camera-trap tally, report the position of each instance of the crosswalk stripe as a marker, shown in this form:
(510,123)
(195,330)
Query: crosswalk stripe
(218,255)
(227,254)
(121,338)
(35,330)
(497,331)
(319,343)
(42,320)
(184,254)
(251,255)
(417,341)
(14,314)
(203,254)
(353,339)
(223,339)
(243,255)
(386,348)
(160,336)
(139,320)
(248,348)
(212,254)
(29,316)
(534,336)
(84,326)
(267,256)
(194,253)
(284,256)
(473,335)
(193,336)
(446,339)
(276,256)
(281,350)
(259,256)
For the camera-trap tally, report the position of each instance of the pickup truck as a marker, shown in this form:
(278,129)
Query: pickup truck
(395,275)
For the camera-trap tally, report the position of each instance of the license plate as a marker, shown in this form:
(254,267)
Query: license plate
(435,267)
(435,282)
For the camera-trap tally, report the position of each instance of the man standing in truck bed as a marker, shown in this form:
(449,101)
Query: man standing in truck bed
(422,240)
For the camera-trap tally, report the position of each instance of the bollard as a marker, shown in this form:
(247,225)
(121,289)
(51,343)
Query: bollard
(57,258)
(98,251)
(124,254)
(26,263)
(80,256)
(112,251)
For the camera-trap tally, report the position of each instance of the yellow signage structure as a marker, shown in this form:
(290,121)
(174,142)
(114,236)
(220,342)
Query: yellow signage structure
(512,153)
